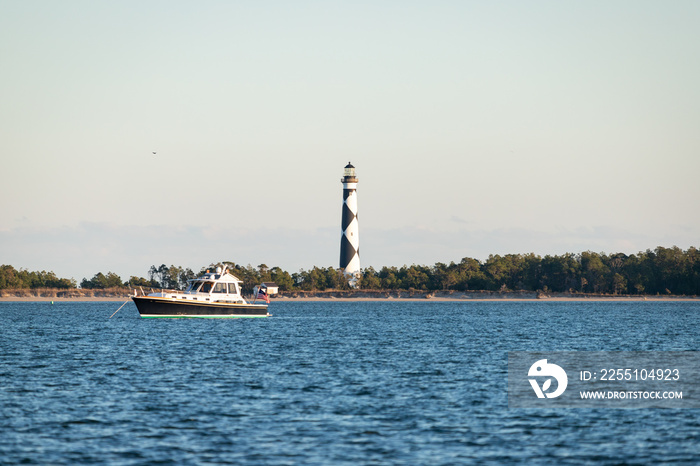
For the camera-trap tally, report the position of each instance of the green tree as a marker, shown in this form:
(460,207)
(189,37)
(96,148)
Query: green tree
(560,273)
(444,277)
(619,283)
(317,279)
(673,271)
(388,278)
(9,277)
(283,279)
(414,277)
(694,270)
(370,279)
(102,281)
(469,275)
(137,281)
(637,269)
(302,280)
(595,272)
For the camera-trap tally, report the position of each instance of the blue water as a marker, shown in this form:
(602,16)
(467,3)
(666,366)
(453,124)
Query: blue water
(324,383)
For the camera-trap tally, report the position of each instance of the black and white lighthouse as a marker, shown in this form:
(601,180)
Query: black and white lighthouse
(350,239)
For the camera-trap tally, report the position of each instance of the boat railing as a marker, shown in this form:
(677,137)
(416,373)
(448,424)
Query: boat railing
(141,291)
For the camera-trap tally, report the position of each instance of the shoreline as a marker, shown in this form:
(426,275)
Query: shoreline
(124,294)
(417,299)
(490,300)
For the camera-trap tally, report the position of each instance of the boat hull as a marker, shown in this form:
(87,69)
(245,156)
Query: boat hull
(156,307)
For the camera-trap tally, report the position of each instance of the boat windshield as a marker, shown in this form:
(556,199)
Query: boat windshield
(193,286)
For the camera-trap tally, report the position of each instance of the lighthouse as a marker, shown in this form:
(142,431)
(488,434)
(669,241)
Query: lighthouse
(350,239)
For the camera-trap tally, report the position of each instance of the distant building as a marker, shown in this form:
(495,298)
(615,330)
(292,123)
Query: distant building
(272,288)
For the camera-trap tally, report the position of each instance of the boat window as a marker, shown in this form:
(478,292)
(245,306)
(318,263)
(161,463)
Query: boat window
(232,288)
(206,287)
(193,286)
(220,288)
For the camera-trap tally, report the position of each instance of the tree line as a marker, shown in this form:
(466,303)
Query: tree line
(661,271)
(13,278)
(658,271)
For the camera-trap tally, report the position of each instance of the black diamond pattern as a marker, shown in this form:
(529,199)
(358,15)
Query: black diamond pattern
(348,216)
(347,252)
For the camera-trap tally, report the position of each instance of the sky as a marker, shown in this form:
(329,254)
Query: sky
(476,128)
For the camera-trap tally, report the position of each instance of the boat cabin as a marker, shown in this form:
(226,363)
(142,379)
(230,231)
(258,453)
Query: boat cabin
(219,286)
(214,283)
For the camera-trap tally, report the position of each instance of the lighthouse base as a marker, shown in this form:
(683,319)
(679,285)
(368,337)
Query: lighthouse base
(353,279)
